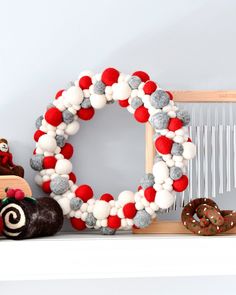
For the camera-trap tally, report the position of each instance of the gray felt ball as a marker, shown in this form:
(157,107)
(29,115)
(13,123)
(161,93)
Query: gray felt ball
(160,120)
(177,149)
(60,139)
(134,82)
(157,158)
(183,116)
(86,103)
(90,220)
(159,99)
(68,117)
(36,162)
(59,185)
(99,87)
(147,181)
(111,101)
(142,219)
(136,102)
(75,203)
(175,173)
(38,122)
(107,231)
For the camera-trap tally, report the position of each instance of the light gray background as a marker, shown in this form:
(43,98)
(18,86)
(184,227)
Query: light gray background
(45,44)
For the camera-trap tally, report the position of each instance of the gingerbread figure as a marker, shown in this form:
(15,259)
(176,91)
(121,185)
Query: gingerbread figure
(7,167)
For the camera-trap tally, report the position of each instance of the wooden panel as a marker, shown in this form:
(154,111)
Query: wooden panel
(12,181)
(149,148)
(204,96)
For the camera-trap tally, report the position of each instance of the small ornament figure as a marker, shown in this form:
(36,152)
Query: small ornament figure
(7,167)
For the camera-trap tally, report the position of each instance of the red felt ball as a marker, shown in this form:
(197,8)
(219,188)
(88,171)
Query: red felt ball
(129,210)
(49,162)
(170,95)
(149,87)
(72,177)
(86,114)
(1,225)
(175,124)
(77,223)
(141,114)
(180,184)
(163,145)
(46,187)
(85,82)
(124,103)
(110,76)
(107,197)
(59,93)
(38,134)
(150,194)
(114,222)
(34,152)
(53,116)
(139,188)
(67,151)
(142,75)
(189,139)
(84,192)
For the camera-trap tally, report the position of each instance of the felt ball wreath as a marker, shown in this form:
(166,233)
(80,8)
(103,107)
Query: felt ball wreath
(146,101)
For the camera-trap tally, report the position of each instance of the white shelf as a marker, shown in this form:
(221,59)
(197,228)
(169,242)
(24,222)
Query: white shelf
(91,256)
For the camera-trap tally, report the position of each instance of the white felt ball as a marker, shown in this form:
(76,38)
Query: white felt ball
(172,114)
(178,139)
(160,171)
(63,166)
(72,128)
(113,211)
(47,143)
(65,205)
(101,209)
(38,179)
(98,101)
(121,91)
(74,95)
(126,197)
(139,205)
(130,109)
(164,199)
(189,150)
(104,222)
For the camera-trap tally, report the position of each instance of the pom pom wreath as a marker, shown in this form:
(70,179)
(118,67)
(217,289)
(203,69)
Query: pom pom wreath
(147,102)
(49,162)
(124,103)
(110,76)
(59,93)
(141,114)
(38,134)
(164,199)
(46,187)
(142,75)
(107,197)
(84,192)
(163,145)
(175,124)
(149,87)
(129,210)
(72,177)
(86,114)
(147,180)
(85,82)
(53,116)
(78,223)
(150,194)
(67,151)
(180,184)
(114,222)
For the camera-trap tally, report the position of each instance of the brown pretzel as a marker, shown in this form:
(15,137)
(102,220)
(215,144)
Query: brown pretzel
(212,220)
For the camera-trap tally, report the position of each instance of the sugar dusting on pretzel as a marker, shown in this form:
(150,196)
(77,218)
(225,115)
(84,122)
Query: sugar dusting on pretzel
(211,220)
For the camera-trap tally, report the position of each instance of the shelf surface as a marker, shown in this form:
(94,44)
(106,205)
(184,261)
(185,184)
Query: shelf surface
(93,256)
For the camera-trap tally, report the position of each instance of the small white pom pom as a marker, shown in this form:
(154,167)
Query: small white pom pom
(126,197)
(63,166)
(189,150)
(74,95)
(98,101)
(65,205)
(178,139)
(38,179)
(47,143)
(164,199)
(101,209)
(160,171)
(72,128)
(121,91)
